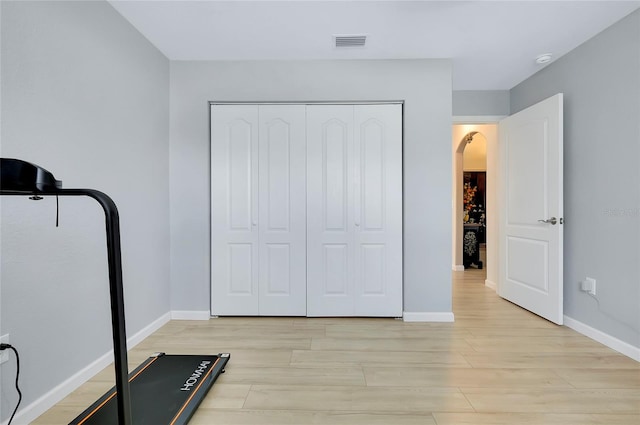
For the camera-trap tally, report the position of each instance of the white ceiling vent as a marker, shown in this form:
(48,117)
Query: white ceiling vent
(352,40)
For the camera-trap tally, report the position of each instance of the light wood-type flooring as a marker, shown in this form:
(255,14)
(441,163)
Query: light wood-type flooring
(497,364)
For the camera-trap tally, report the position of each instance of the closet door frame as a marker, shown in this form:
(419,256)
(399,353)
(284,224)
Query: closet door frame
(212,104)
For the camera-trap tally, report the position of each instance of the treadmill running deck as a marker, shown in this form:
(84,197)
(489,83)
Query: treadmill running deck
(165,389)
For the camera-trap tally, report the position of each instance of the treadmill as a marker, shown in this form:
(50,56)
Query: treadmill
(165,389)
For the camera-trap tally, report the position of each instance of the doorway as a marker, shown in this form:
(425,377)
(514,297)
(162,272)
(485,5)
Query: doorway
(474,209)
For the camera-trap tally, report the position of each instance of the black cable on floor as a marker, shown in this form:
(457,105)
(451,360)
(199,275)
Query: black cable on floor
(8,346)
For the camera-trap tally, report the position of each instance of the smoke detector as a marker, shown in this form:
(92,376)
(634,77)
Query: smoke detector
(544,58)
(349,40)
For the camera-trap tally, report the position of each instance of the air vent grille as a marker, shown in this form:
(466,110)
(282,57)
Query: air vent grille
(357,40)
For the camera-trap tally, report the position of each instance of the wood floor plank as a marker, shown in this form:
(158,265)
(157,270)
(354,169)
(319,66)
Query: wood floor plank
(391,344)
(533,419)
(324,321)
(539,344)
(463,377)
(252,331)
(408,400)
(225,344)
(504,331)
(602,378)
(345,376)
(604,401)
(328,358)
(417,330)
(579,360)
(501,322)
(298,417)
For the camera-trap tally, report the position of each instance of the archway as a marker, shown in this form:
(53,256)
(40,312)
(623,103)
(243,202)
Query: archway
(463,136)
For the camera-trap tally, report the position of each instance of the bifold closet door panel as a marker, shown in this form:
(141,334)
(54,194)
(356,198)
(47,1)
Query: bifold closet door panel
(378,210)
(282,222)
(354,210)
(330,262)
(258,210)
(234,210)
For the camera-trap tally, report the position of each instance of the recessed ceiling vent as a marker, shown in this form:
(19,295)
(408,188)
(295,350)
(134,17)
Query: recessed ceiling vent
(353,40)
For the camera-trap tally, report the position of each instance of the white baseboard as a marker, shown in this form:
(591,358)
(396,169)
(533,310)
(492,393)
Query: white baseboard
(491,284)
(603,338)
(147,330)
(457,268)
(38,407)
(408,316)
(190,315)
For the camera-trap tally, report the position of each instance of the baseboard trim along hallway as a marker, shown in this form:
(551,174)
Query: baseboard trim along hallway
(603,338)
(190,315)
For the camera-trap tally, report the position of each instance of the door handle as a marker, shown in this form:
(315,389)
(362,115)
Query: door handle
(551,220)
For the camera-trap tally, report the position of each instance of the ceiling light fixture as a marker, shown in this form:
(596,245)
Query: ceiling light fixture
(544,58)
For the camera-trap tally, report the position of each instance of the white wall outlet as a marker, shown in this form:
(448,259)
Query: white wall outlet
(588,285)
(4,354)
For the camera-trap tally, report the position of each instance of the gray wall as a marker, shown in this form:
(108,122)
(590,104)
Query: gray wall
(601,84)
(481,102)
(87,97)
(425,85)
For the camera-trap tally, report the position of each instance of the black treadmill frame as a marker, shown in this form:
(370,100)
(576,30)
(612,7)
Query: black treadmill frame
(116,292)
(44,184)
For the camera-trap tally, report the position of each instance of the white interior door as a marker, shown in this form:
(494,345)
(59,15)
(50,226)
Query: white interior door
(531,209)
(354,210)
(234,210)
(282,222)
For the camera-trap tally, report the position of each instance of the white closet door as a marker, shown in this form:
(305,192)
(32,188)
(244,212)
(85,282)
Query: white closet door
(330,271)
(282,222)
(234,210)
(354,212)
(378,210)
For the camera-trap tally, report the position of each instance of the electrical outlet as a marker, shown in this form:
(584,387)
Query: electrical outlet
(588,285)
(4,354)
(592,284)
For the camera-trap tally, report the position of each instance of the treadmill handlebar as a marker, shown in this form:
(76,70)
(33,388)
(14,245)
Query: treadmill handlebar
(19,177)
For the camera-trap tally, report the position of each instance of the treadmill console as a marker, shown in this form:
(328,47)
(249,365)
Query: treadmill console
(19,176)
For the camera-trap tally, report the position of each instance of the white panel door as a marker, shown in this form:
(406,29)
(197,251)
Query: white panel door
(282,218)
(354,210)
(531,231)
(378,210)
(330,262)
(234,210)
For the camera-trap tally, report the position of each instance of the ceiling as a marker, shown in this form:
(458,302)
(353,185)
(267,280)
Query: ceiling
(492,44)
